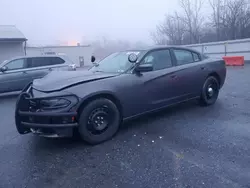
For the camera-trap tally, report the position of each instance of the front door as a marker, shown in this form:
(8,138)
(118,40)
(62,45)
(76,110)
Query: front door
(16,77)
(156,85)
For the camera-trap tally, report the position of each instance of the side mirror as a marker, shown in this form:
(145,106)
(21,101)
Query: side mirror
(92,59)
(144,68)
(132,58)
(3,69)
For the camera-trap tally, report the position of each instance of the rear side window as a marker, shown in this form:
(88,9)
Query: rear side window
(45,61)
(56,60)
(196,57)
(183,57)
(38,62)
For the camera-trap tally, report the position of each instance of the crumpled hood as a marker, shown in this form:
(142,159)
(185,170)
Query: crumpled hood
(58,80)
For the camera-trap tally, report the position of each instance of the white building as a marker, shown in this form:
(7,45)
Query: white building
(12,42)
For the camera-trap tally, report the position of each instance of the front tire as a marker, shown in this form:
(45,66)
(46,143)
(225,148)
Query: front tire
(210,91)
(99,121)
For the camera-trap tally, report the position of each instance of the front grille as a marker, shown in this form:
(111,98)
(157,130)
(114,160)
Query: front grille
(33,103)
(34,106)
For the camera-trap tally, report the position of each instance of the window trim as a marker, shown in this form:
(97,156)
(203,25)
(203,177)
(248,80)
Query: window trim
(197,55)
(154,50)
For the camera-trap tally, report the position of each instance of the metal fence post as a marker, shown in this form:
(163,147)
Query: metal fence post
(225,48)
(25,48)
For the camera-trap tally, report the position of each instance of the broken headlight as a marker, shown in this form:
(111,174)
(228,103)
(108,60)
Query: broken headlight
(54,103)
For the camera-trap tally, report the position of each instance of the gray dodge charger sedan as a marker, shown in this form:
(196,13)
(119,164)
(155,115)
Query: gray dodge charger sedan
(93,103)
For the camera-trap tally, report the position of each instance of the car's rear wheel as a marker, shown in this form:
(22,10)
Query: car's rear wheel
(99,121)
(210,91)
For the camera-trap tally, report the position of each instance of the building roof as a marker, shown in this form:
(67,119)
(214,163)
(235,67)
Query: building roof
(87,45)
(11,33)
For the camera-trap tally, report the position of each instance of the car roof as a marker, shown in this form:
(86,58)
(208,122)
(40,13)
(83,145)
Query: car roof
(30,56)
(158,47)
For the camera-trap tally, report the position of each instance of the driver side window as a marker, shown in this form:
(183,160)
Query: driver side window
(160,59)
(16,64)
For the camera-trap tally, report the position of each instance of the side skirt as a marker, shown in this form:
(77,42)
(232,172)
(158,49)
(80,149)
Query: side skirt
(158,109)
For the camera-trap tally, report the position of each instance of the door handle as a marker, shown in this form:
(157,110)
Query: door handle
(202,68)
(24,72)
(173,76)
(50,69)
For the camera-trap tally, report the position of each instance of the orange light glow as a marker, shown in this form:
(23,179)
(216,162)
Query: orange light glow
(72,43)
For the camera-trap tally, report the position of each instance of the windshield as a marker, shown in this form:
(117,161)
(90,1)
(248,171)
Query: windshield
(116,62)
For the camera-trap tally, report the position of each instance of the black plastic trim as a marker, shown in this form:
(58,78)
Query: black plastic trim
(38,125)
(50,114)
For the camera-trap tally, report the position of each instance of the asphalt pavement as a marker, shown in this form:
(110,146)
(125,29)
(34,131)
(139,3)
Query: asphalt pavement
(182,147)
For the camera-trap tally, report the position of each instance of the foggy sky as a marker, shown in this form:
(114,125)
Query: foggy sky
(50,21)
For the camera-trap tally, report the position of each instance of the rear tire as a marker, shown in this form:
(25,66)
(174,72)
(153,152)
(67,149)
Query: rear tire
(99,121)
(210,91)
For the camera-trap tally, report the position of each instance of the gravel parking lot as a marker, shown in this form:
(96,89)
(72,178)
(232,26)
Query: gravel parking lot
(184,146)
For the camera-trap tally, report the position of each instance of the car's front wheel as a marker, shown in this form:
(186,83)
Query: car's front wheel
(210,91)
(99,121)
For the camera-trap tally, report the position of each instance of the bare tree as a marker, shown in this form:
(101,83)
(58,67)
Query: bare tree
(177,28)
(193,18)
(218,8)
(171,31)
(159,38)
(235,12)
(244,22)
(230,19)
(232,13)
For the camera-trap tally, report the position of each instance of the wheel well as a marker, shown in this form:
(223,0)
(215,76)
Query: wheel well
(107,96)
(214,74)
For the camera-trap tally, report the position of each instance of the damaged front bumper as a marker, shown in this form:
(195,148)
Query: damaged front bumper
(33,116)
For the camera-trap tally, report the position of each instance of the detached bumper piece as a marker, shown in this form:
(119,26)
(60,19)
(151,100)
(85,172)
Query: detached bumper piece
(46,123)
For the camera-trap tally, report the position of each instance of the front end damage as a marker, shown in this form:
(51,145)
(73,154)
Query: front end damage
(47,115)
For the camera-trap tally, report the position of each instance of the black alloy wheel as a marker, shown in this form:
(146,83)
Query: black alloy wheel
(99,121)
(210,91)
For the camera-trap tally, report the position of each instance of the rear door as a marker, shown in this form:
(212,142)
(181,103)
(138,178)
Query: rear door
(57,63)
(189,74)
(38,67)
(41,66)
(16,77)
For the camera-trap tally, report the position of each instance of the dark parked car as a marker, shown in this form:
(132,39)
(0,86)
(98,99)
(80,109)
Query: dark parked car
(124,85)
(16,73)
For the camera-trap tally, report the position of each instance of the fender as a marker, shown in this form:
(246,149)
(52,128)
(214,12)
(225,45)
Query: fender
(106,93)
